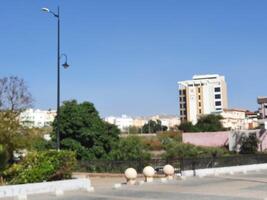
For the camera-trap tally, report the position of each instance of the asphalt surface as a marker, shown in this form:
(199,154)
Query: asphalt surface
(227,187)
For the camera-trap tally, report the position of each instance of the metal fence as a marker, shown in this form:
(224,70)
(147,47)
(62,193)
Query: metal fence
(180,164)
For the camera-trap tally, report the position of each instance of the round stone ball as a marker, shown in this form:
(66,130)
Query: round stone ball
(130,173)
(148,171)
(168,170)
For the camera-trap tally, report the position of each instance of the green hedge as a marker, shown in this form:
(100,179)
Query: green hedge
(42,166)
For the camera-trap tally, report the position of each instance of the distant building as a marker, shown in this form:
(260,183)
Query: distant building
(124,122)
(37,118)
(262,101)
(167,120)
(234,119)
(205,94)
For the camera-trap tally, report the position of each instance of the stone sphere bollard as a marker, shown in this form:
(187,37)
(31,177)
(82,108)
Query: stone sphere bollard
(168,171)
(149,173)
(130,175)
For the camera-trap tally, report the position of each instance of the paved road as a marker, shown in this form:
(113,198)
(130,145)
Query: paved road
(231,187)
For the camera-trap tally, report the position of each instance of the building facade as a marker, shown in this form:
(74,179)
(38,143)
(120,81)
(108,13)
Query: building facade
(204,94)
(37,118)
(234,119)
(262,101)
(125,122)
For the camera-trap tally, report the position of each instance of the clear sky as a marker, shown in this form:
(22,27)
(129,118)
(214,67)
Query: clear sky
(126,56)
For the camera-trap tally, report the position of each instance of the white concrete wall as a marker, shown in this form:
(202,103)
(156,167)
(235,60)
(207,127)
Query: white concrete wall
(45,187)
(225,170)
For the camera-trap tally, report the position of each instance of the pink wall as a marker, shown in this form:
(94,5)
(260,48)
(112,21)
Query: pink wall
(208,139)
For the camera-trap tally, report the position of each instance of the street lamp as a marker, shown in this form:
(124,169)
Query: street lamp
(65,65)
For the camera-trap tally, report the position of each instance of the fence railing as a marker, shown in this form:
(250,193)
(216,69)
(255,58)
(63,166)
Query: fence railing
(180,164)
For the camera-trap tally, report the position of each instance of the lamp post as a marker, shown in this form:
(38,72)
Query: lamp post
(65,65)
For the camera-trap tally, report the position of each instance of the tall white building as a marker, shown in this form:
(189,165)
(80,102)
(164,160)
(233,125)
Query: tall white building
(37,118)
(204,94)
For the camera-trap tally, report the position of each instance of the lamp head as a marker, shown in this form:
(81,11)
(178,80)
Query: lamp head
(45,10)
(65,65)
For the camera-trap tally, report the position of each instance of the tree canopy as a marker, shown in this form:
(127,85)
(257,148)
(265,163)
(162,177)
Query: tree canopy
(153,127)
(82,130)
(206,123)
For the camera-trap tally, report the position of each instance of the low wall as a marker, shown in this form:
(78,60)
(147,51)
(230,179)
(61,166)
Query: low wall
(207,139)
(45,187)
(224,170)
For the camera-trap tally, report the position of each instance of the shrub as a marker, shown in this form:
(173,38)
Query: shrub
(153,144)
(130,148)
(3,158)
(42,166)
(249,145)
(182,150)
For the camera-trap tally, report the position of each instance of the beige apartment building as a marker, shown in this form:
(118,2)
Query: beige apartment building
(204,94)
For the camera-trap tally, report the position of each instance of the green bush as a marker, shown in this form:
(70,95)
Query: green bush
(130,148)
(182,150)
(3,158)
(249,145)
(42,166)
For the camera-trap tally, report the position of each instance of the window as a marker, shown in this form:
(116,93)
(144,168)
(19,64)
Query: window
(198,90)
(181,112)
(184,98)
(218,109)
(199,97)
(181,99)
(217,96)
(180,92)
(218,103)
(199,104)
(184,92)
(199,111)
(217,89)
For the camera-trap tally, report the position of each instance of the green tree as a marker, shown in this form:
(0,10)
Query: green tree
(14,98)
(187,127)
(83,131)
(249,145)
(154,127)
(206,123)
(210,123)
(130,148)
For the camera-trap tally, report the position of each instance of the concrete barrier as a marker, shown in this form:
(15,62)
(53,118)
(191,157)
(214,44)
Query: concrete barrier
(44,187)
(224,170)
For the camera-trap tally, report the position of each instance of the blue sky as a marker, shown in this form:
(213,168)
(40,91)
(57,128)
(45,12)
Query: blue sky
(126,56)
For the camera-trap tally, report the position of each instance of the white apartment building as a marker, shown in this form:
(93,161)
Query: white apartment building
(123,122)
(204,94)
(37,118)
(234,119)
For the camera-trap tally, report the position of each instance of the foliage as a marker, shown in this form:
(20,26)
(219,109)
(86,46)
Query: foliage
(182,150)
(153,127)
(12,134)
(83,131)
(134,130)
(206,123)
(169,137)
(42,166)
(14,98)
(130,148)
(153,144)
(3,157)
(249,145)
